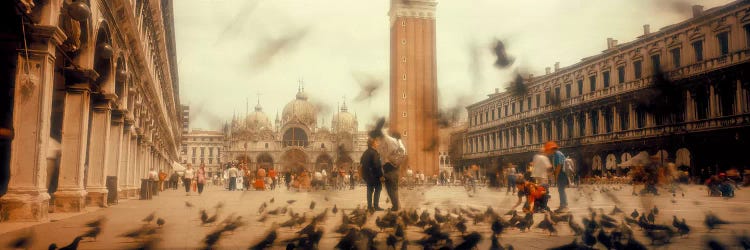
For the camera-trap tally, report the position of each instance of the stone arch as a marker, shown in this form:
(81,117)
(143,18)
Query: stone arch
(295,136)
(121,81)
(596,163)
(682,157)
(324,161)
(103,56)
(294,160)
(611,162)
(78,32)
(663,156)
(264,160)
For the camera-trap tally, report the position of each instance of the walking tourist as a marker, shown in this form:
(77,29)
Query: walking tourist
(232,173)
(173,180)
(392,153)
(272,177)
(259,180)
(511,173)
(187,178)
(372,173)
(540,166)
(162,177)
(561,176)
(200,176)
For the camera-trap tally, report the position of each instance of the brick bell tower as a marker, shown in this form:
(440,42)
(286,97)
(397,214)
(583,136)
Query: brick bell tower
(413,102)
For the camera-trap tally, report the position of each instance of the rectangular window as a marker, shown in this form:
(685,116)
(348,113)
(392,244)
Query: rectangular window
(520,105)
(203,151)
(747,35)
(193,152)
(637,69)
(493,115)
(567,91)
(656,63)
(528,102)
(506,110)
(581,124)
(723,40)
(538,100)
(594,122)
(621,74)
(211,152)
(592,83)
(605,79)
(557,92)
(698,50)
(513,108)
(675,57)
(546,97)
(486,116)
(580,87)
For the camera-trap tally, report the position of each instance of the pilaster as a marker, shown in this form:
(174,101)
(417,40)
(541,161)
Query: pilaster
(27,198)
(101,121)
(115,147)
(125,154)
(70,194)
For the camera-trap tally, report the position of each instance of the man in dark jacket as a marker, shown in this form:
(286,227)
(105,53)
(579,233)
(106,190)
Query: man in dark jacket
(372,173)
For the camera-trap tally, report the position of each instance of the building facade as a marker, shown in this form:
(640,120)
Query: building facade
(185,113)
(413,92)
(94,102)
(680,93)
(203,147)
(295,141)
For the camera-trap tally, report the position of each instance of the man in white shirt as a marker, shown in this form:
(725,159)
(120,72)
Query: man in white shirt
(541,165)
(392,154)
(232,172)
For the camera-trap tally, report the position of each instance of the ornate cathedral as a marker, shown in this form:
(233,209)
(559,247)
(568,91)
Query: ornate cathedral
(295,141)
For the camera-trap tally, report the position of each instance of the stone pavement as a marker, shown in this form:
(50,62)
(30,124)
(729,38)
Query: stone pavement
(183,231)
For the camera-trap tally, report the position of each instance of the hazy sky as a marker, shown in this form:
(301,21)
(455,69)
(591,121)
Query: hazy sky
(225,48)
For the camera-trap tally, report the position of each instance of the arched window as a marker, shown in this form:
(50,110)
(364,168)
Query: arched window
(295,137)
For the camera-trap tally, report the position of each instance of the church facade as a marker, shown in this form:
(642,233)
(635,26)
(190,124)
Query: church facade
(295,141)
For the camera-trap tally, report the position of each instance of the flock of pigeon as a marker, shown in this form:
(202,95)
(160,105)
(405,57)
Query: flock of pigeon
(433,228)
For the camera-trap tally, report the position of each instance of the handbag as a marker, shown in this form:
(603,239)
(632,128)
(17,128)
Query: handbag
(194,185)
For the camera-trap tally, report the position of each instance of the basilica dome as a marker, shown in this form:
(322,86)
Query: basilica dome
(257,120)
(300,111)
(343,121)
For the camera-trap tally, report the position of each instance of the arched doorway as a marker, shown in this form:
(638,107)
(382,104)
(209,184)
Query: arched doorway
(324,162)
(343,161)
(264,161)
(596,165)
(294,160)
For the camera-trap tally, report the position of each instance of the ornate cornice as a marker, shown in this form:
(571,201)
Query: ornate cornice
(412,8)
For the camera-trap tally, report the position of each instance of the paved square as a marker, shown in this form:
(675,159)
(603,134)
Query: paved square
(182,229)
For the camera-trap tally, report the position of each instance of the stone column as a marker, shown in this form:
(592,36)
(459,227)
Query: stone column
(615,119)
(553,125)
(115,147)
(101,121)
(739,101)
(133,164)
(71,195)
(633,123)
(600,126)
(689,106)
(712,102)
(576,126)
(124,166)
(588,129)
(26,198)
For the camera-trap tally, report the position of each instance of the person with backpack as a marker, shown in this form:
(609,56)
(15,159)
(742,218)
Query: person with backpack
(558,161)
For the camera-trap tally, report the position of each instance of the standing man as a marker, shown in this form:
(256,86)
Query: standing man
(558,162)
(409,177)
(392,154)
(352,179)
(372,173)
(232,172)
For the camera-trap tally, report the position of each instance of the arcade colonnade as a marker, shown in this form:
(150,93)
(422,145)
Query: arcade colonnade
(94,102)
